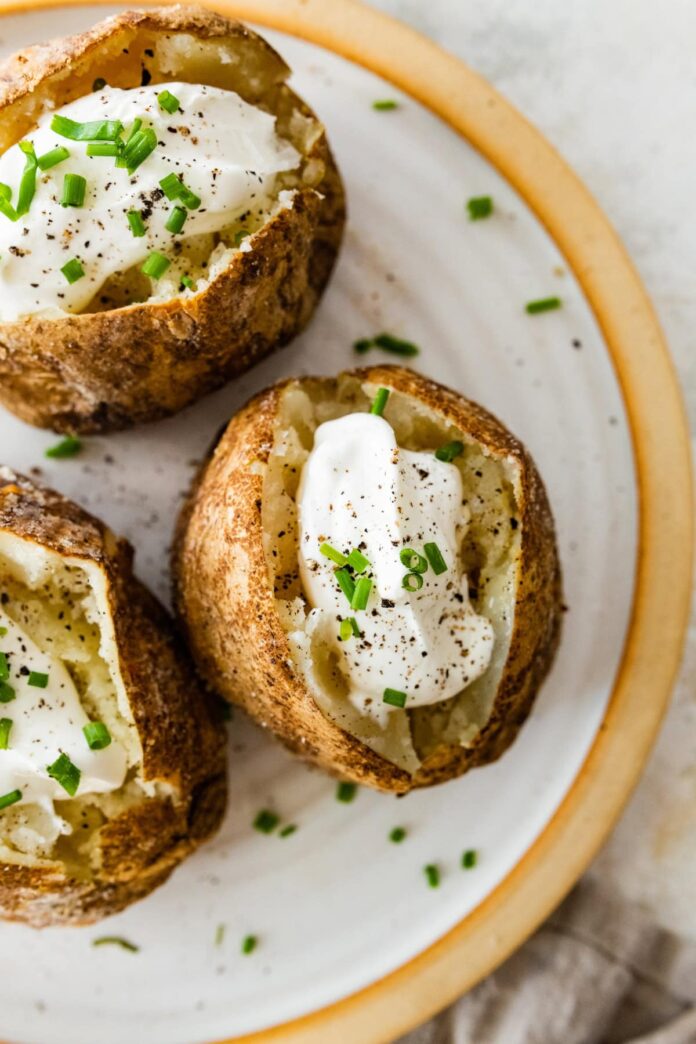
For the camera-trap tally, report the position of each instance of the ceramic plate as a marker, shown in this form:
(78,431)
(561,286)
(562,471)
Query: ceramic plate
(336,906)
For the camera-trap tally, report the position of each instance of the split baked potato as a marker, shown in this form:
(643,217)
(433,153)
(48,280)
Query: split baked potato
(71,605)
(146,345)
(240,597)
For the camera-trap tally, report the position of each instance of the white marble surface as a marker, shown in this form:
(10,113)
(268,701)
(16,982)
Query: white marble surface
(613,87)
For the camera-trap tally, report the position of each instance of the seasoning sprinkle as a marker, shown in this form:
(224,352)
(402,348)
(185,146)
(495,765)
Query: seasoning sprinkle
(545,304)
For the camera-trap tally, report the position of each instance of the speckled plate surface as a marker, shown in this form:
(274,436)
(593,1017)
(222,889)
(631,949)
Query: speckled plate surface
(336,907)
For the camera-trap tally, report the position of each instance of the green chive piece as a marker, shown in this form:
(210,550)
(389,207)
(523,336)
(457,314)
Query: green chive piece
(65,773)
(53,157)
(357,561)
(479,207)
(345,582)
(333,555)
(219,934)
(187,281)
(397,835)
(396,345)
(99,130)
(104,148)
(5,191)
(137,124)
(7,693)
(249,944)
(4,667)
(434,556)
(266,821)
(545,304)
(362,345)
(141,145)
(137,225)
(379,402)
(5,729)
(240,236)
(394,698)
(38,679)
(168,101)
(469,859)
(97,735)
(349,629)
(6,207)
(361,594)
(70,446)
(385,105)
(99,84)
(10,799)
(414,562)
(74,187)
(412,582)
(287,830)
(27,184)
(176,220)
(432,875)
(174,188)
(155,265)
(116,940)
(3,632)
(346,792)
(450,451)
(73,270)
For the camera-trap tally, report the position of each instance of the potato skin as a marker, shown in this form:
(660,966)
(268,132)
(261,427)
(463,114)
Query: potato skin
(225,600)
(183,742)
(102,371)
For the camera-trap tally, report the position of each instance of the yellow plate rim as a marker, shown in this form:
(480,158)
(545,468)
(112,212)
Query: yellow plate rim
(482,940)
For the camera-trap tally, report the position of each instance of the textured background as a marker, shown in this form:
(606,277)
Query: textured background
(613,87)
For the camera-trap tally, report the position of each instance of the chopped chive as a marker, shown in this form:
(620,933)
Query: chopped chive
(7,693)
(432,874)
(469,859)
(362,345)
(53,157)
(99,84)
(345,582)
(394,698)
(412,582)
(5,191)
(27,184)
(187,282)
(357,561)
(168,101)
(137,225)
(4,667)
(287,830)
(545,304)
(249,944)
(176,220)
(104,148)
(99,130)
(10,799)
(361,594)
(70,446)
(6,207)
(346,792)
(240,236)
(38,679)
(155,265)
(379,402)
(74,188)
(137,124)
(397,835)
(479,207)
(3,632)
(97,735)
(266,821)
(385,105)
(219,934)
(73,270)
(434,556)
(65,773)
(116,940)
(138,148)
(5,729)
(449,451)
(349,629)
(414,562)
(331,553)
(174,188)
(396,345)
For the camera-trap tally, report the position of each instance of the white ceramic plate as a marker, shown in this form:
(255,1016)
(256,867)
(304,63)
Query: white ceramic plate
(336,906)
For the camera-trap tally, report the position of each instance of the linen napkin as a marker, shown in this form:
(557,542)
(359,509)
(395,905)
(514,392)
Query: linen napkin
(597,972)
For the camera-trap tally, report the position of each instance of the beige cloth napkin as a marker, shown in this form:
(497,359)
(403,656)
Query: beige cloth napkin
(598,972)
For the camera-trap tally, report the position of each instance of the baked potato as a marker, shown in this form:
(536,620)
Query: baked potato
(243,576)
(112,763)
(98,330)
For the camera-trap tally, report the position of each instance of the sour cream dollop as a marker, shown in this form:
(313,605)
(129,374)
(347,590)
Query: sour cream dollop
(358,489)
(46,721)
(225,150)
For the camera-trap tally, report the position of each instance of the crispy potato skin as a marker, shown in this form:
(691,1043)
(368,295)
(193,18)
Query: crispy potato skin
(183,742)
(224,597)
(101,371)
